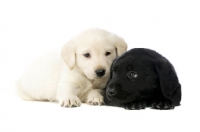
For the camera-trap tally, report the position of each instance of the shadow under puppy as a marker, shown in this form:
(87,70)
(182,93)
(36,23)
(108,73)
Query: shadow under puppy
(143,78)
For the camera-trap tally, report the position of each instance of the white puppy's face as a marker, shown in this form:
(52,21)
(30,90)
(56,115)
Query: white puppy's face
(95,59)
(93,52)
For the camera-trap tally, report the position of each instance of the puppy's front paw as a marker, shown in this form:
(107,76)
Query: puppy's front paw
(162,104)
(135,105)
(95,99)
(72,101)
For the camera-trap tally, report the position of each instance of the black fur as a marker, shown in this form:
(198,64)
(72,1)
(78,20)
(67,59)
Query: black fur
(143,78)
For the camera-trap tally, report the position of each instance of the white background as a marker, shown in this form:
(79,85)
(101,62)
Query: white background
(31,28)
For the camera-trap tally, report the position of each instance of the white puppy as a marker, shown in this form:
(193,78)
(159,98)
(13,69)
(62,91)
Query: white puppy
(77,73)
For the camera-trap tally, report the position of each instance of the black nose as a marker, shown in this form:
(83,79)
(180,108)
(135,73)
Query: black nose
(100,72)
(111,91)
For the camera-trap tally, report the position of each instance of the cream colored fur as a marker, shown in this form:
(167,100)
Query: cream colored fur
(67,76)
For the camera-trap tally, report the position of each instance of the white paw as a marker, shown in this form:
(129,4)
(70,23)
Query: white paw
(95,99)
(72,101)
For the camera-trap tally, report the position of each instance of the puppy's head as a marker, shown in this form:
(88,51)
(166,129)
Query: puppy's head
(93,51)
(130,76)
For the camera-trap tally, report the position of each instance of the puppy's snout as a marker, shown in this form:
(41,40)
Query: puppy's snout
(111,91)
(100,72)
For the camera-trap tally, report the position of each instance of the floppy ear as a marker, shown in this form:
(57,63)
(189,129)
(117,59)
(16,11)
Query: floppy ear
(120,44)
(167,77)
(111,68)
(68,54)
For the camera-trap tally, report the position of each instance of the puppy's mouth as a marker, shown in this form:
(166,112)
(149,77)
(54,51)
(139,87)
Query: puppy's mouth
(103,77)
(116,100)
(122,97)
(94,76)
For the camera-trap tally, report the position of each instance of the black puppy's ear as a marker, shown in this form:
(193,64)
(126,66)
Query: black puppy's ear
(168,78)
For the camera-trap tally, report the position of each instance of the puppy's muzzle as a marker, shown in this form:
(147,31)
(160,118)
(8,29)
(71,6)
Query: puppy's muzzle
(100,72)
(111,91)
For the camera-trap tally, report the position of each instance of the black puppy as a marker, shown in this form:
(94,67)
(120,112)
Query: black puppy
(141,78)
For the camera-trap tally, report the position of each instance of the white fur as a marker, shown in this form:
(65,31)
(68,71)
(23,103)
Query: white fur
(67,76)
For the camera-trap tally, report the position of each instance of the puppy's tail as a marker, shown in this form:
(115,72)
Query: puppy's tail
(20,92)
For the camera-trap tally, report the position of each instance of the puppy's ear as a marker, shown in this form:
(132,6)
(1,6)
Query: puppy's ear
(120,44)
(168,79)
(68,54)
(111,68)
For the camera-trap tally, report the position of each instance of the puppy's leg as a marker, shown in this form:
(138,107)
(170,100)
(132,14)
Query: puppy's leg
(67,94)
(95,97)
(135,105)
(162,104)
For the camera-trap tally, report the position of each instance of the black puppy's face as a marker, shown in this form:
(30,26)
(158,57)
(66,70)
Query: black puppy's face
(129,77)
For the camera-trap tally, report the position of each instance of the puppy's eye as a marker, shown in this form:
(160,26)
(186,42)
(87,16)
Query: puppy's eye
(132,74)
(107,53)
(87,55)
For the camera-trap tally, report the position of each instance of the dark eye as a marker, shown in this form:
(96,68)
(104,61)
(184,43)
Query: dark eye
(87,55)
(132,74)
(108,53)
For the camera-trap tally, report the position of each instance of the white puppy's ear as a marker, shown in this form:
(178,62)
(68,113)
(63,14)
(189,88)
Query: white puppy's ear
(68,54)
(120,44)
